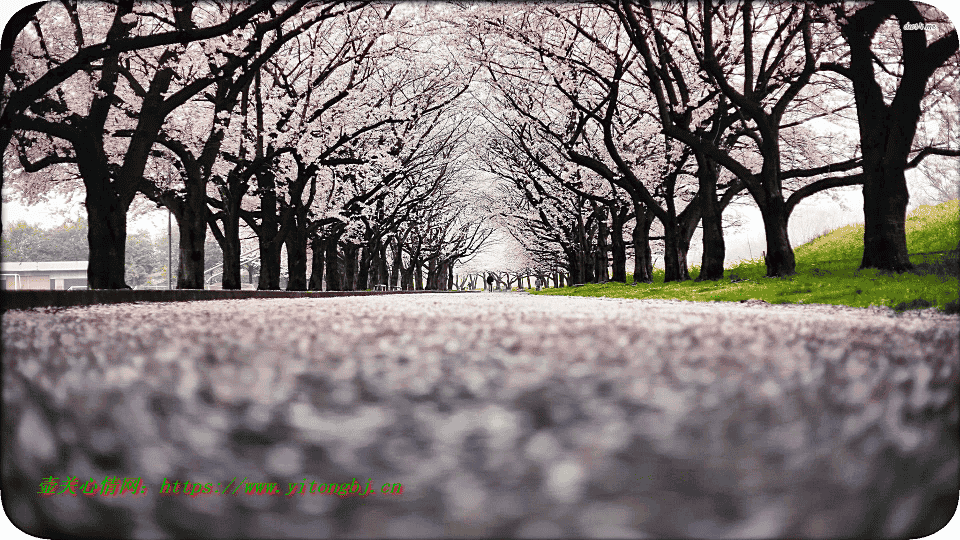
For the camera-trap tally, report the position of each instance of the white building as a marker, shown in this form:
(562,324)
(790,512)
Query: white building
(58,275)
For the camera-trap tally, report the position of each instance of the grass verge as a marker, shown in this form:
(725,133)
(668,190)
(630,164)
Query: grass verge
(827,273)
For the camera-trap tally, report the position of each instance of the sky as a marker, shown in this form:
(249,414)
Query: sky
(812,217)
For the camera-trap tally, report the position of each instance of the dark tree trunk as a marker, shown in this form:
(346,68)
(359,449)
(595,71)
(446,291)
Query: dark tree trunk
(588,263)
(296,242)
(397,266)
(885,201)
(642,257)
(618,247)
(600,258)
(433,275)
(714,250)
(250,272)
(780,260)
(383,273)
(350,252)
(334,273)
(267,235)
(406,278)
(193,236)
(107,236)
(269,266)
(418,274)
(231,252)
(363,273)
(316,265)
(373,272)
(587,252)
(674,257)
(887,131)
(573,265)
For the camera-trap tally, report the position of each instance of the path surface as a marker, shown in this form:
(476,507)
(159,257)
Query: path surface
(500,414)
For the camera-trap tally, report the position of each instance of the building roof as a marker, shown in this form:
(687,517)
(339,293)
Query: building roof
(52,266)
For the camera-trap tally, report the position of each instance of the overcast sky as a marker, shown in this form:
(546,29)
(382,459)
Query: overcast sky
(813,216)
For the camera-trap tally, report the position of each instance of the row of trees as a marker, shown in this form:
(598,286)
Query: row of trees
(625,114)
(350,134)
(329,129)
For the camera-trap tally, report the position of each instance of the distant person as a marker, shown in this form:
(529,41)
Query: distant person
(490,283)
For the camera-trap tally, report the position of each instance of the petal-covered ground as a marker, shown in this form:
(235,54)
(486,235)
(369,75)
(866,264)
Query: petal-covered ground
(500,415)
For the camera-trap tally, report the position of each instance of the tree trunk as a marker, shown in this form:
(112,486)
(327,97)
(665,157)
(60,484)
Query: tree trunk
(433,275)
(885,201)
(674,259)
(350,252)
(363,272)
(230,246)
(618,247)
(714,250)
(296,242)
(887,131)
(250,271)
(395,278)
(269,279)
(107,236)
(573,265)
(373,272)
(316,265)
(417,266)
(589,263)
(267,234)
(642,257)
(600,258)
(780,260)
(334,273)
(193,238)
(383,274)
(406,278)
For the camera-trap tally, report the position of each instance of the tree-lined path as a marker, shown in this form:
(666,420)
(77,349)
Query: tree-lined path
(501,415)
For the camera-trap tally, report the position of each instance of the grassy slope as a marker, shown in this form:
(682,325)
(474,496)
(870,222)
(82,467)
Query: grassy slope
(827,272)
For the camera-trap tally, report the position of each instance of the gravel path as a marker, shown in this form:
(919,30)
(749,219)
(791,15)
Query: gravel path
(500,414)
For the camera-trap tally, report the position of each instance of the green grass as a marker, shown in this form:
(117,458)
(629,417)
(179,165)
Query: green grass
(827,272)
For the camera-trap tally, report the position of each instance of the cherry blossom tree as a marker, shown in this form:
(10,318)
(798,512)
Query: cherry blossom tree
(556,225)
(93,48)
(759,60)
(349,125)
(213,160)
(894,37)
(105,118)
(569,77)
